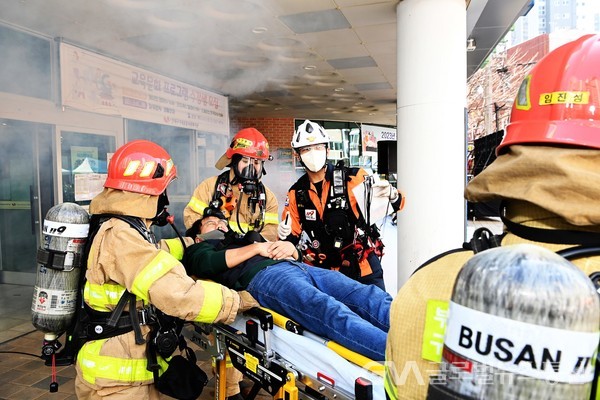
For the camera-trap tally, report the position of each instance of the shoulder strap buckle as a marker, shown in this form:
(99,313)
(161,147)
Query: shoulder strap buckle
(483,239)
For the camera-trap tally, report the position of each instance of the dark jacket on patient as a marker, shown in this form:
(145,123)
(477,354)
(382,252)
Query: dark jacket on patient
(206,260)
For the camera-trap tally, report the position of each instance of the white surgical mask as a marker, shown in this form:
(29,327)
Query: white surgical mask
(314,160)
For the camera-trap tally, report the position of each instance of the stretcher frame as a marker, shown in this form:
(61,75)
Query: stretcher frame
(250,352)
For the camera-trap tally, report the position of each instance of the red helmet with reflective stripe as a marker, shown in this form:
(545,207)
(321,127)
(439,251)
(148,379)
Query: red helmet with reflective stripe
(559,101)
(141,166)
(248,142)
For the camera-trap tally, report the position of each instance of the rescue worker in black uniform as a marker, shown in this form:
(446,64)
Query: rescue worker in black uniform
(323,205)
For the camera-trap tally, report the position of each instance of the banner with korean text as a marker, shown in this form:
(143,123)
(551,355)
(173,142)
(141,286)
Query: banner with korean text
(94,83)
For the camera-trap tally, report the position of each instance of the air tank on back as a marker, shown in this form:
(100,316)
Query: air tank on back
(523,324)
(55,293)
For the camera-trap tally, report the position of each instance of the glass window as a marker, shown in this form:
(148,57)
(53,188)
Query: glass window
(26,64)
(341,147)
(210,147)
(346,143)
(84,164)
(179,143)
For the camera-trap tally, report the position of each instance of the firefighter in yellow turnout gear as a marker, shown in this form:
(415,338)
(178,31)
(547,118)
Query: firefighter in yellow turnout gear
(247,204)
(121,260)
(547,175)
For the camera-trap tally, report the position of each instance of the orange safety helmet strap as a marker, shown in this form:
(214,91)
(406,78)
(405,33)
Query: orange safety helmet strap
(142,167)
(559,101)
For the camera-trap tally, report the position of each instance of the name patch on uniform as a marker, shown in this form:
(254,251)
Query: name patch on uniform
(522,348)
(434,330)
(564,97)
(310,215)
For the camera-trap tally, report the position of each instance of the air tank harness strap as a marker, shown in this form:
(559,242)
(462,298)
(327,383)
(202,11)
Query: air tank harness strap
(105,325)
(55,259)
(221,189)
(133,315)
(483,239)
(561,236)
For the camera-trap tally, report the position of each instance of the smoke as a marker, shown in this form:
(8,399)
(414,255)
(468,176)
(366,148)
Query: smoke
(234,47)
(219,45)
(25,67)
(211,44)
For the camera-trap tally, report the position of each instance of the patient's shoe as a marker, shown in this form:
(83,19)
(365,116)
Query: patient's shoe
(235,397)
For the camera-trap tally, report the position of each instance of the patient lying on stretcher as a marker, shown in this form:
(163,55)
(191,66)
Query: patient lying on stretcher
(324,302)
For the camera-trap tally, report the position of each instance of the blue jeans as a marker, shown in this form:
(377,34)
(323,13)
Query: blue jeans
(327,303)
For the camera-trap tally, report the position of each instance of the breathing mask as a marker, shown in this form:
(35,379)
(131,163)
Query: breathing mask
(248,172)
(161,210)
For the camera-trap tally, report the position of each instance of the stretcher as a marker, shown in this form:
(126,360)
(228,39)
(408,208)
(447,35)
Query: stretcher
(287,361)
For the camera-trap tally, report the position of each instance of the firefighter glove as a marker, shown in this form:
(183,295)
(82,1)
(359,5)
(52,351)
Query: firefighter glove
(246,301)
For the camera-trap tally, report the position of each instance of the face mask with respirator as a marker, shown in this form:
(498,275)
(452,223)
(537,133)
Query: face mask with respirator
(248,179)
(248,176)
(162,215)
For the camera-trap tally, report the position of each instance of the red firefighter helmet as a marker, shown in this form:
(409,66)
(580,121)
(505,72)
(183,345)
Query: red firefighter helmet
(559,101)
(141,166)
(248,142)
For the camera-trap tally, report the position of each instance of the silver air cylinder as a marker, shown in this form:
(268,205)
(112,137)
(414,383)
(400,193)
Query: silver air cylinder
(59,266)
(523,324)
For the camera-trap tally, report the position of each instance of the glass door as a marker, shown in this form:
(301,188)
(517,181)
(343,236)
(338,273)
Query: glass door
(84,161)
(26,194)
(179,143)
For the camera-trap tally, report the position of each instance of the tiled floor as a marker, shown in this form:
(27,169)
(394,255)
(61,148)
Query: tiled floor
(15,311)
(24,375)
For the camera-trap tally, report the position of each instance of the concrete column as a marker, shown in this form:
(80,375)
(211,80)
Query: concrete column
(431,129)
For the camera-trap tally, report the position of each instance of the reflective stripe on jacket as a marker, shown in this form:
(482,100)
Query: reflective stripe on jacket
(98,369)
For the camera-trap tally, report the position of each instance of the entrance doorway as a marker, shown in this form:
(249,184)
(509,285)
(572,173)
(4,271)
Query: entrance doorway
(26,194)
